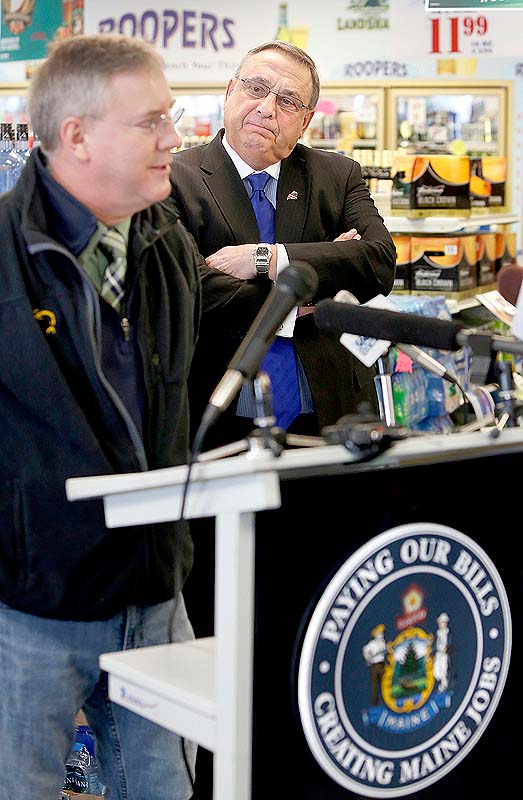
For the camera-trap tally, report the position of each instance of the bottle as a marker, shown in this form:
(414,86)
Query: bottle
(283,33)
(81,769)
(22,141)
(19,159)
(10,162)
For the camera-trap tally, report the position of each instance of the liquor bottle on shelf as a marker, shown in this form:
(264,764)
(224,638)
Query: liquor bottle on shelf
(283,33)
(10,162)
(22,140)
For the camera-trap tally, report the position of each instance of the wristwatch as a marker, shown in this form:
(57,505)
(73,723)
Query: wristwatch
(262,255)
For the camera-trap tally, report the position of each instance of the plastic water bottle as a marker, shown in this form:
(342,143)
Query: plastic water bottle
(81,769)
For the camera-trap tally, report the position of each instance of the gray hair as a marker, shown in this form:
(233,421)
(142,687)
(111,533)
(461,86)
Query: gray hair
(297,54)
(74,78)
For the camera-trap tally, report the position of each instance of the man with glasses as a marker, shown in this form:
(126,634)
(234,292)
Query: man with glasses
(100,306)
(322,213)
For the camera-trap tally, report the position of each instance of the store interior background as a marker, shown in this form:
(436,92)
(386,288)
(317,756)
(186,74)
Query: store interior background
(393,72)
(445,74)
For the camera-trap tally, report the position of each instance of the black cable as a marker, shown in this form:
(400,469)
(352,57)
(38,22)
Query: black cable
(193,457)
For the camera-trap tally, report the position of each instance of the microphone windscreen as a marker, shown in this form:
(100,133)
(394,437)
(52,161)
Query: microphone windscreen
(393,326)
(509,282)
(298,279)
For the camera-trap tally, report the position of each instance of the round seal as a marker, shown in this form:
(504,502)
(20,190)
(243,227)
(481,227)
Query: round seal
(404,660)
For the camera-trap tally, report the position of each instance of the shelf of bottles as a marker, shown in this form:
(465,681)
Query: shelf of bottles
(14,152)
(468,119)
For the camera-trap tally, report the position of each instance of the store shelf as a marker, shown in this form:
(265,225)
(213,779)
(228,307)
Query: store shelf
(333,144)
(436,225)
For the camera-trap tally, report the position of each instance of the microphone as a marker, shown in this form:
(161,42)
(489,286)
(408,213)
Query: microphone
(414,329)
(510,279)
(294,287)
(416,355)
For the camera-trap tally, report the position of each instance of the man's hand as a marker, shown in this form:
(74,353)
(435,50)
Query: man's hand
(238,261)
(345,237)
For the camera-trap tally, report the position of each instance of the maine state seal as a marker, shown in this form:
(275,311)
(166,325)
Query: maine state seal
(404,660)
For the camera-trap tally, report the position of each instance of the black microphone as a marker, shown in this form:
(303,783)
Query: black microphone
(294,287)
(415,354)
(415,329)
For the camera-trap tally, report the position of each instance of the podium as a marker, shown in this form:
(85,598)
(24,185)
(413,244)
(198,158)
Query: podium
(283,526)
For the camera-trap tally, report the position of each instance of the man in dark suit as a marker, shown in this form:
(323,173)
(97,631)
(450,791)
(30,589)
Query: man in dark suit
(324,215)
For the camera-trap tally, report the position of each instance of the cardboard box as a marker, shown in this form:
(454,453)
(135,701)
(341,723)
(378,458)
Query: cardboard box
(403,277)
(506,249)
(486,264)
(430,185)
(488,175)
(443,263)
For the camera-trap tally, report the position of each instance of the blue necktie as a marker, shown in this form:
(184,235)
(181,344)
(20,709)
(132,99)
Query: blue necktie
(280,361)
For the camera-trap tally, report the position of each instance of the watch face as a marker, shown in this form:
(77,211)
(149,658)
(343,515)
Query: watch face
(262,256)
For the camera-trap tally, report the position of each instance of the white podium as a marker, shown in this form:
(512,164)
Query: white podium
(203,689)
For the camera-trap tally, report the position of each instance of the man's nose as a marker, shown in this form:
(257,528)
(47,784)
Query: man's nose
(171,138)
(268,104)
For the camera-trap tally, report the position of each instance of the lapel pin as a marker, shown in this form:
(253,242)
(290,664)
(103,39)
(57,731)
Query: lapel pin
(292,195)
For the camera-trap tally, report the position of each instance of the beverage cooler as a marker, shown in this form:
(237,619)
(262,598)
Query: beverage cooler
(417,116)
(439,117)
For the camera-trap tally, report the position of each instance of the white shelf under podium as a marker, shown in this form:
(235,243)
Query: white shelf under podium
(203,689)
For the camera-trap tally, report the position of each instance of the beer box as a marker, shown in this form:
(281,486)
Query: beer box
(443,263)
(486,263)
(430,185)
(402,278)
(488,175)
(506,249)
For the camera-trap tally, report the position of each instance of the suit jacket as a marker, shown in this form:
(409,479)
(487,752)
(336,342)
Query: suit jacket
(320,195)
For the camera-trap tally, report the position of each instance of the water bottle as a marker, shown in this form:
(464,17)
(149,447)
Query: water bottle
(9,161)
(81,770)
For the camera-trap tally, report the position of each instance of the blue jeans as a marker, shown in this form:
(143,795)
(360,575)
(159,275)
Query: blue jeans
(49,670)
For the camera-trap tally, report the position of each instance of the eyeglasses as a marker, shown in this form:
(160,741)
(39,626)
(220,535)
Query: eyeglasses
(163,121)
(284,101)
(158,123)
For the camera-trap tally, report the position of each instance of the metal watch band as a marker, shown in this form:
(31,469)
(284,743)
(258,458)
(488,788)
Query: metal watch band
(262,256)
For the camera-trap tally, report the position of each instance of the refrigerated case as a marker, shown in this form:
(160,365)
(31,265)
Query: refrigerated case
(417,116)
(349,116)
(346,116)
(473,117)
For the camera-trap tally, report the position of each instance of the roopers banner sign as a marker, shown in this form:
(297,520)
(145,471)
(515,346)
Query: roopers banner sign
(203,42)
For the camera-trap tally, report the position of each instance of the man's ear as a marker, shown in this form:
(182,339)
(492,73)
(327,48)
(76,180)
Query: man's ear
(73,137)
(306,122)
(229,88)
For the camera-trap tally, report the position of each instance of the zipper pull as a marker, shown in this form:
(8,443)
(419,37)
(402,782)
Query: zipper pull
(124,322)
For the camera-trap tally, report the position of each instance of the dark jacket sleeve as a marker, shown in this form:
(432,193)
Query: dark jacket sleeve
(365,267)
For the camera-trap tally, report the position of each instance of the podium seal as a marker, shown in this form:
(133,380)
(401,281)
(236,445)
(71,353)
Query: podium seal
(404,660)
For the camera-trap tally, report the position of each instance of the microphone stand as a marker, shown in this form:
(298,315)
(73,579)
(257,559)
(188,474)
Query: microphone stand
(266,435)
(507,393)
